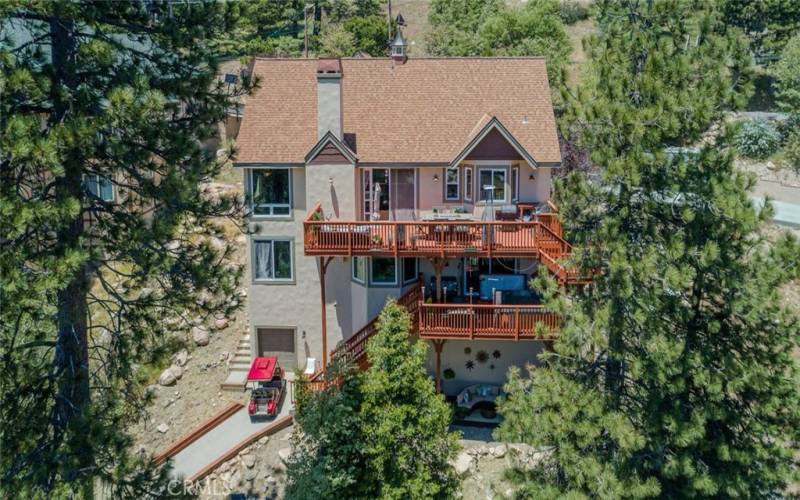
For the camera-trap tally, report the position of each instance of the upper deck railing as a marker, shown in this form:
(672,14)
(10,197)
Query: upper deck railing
(445,238)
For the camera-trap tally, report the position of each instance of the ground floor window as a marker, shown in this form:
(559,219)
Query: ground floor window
(272,260)
(360,269)
(279,342)
(384,271)
(410,270)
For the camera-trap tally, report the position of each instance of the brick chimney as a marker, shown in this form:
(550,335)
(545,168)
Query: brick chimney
(329,97)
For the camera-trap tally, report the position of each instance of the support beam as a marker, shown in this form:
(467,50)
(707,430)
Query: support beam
(437,346)
(323,268)
(438,264)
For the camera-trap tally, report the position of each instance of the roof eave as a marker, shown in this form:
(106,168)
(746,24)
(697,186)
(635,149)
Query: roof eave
(493,124)
(329,137)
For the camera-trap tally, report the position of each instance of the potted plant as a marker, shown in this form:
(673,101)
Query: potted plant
(448,374)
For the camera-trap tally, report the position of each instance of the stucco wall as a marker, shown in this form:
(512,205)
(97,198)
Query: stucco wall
(431,192)
(297,305)
(338,197)
(453,356)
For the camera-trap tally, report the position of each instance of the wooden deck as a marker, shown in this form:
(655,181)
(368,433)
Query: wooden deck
(432,239)
(540,239)
(486,322)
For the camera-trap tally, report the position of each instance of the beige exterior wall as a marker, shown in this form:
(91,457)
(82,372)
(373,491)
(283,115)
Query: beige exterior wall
(494,371)
(350,305)
(296,305)
(431,192)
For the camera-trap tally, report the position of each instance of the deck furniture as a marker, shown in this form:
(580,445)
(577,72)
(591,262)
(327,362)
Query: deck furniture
(479,396)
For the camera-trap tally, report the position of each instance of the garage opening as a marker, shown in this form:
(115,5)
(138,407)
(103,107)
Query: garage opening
(278,342)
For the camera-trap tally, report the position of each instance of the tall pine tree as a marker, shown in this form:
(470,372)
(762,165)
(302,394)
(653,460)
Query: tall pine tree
(383,433)
(104,225)
(673,374)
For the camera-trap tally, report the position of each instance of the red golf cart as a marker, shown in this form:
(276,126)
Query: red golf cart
(267,385)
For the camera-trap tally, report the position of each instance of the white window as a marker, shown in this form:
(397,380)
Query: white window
(468,183)
(273,260)
(360,269)
(271,191)
(377,185)
(384,271)
(451,187)
(99,187)
(493,184)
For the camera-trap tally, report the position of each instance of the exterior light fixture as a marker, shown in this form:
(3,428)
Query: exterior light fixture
(531,177)
(435,177)
(330,181)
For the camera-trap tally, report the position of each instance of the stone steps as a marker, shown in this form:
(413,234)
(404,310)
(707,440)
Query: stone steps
(238,366)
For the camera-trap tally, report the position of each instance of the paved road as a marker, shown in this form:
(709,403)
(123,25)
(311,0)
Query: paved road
(192,459)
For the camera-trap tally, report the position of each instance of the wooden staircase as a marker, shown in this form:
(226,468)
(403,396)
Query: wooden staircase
(355,347)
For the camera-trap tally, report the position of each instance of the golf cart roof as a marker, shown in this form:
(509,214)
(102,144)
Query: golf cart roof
(262,369)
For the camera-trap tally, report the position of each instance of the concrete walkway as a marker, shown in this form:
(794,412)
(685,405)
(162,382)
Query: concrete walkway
(213,444)
(785,201)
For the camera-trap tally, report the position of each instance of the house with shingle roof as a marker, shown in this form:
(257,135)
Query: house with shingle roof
(426,180)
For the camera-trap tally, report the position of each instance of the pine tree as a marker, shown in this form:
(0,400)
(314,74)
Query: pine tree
(769,24)
(105,228)
(406,423)
(673,374)
(328,459)
(380,434)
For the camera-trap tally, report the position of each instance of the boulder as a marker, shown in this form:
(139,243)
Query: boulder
(177,371)
(162,428)
(167,378)
(249,460)
(463,463)
(236,479)
(221,323)
(284,454)
(499,451)
(181,357)
(218,244)
(200,336)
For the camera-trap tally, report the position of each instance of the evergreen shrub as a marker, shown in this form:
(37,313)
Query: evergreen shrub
(757,139)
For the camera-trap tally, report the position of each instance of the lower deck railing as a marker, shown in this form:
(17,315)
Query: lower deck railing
(479,321)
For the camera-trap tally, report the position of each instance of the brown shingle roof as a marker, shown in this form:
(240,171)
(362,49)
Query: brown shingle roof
(422,111)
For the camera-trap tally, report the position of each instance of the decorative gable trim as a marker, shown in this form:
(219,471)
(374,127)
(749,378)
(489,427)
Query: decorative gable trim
(330,139)
(493,124)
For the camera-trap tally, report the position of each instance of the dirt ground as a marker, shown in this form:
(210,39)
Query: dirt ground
(196,396)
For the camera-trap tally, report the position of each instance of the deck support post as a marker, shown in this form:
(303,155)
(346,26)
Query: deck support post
(437,346)
(438,264)
(323,268)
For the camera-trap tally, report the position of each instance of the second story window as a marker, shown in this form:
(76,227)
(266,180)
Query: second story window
(451,186)
(99,187)
(273,260)
(271,191)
